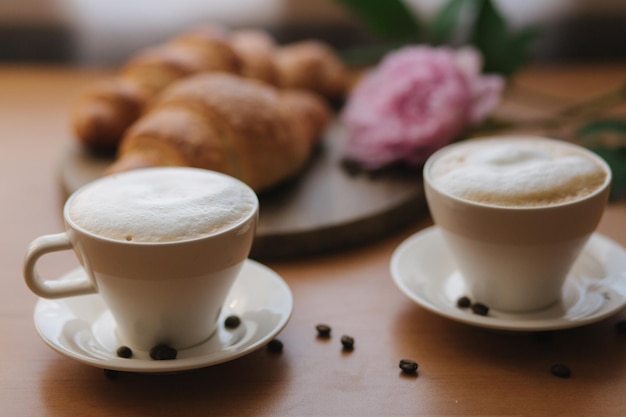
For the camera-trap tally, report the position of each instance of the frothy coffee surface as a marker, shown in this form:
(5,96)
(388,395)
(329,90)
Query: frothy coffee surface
(161,205)
(517,172)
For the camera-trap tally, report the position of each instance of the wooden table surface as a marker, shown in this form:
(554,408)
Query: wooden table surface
(463,370)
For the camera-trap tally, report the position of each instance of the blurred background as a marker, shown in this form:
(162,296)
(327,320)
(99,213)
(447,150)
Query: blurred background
(104,33)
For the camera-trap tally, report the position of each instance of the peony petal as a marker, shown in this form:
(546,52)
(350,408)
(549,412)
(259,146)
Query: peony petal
(469,61)
(486,97)
(417,100)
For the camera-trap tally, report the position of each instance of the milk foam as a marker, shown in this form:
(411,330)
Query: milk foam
(160,205)
(517,172)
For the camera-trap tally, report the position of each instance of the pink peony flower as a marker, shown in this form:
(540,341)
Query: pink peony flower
(415,101)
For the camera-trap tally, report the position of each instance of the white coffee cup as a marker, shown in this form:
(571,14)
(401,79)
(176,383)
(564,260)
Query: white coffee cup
(515,212)
(161,246)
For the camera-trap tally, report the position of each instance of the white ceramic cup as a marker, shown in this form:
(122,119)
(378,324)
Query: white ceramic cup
(514,258)
(159,292)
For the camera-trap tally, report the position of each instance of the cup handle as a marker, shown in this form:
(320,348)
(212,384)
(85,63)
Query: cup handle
(52,288)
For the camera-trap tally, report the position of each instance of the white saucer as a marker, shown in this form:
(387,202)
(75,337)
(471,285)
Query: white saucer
(424,270)
(83,329)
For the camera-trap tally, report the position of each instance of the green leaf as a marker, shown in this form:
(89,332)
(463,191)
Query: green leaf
(446,21)
(503,51)
(388,18)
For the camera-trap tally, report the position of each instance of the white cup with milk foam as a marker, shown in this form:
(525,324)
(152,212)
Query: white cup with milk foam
(515,212)
(161,246)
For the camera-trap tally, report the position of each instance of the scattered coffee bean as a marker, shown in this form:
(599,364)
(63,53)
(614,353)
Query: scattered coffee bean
(347,342)
(560,370)
(620,326)
(275,346)
(111,374)
(163,353)
(480,309)
(408,366)
(464,302)
(323,330)
(124,352)
(232,322)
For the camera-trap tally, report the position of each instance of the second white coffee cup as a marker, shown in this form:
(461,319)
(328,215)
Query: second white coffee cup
(515,212)
(161,246)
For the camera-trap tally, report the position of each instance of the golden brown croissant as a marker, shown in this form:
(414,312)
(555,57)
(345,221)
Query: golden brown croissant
(223,122)
(311,65)
(256,50)
(102,113)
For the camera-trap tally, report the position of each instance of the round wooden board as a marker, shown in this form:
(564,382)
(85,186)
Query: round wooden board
(323,209)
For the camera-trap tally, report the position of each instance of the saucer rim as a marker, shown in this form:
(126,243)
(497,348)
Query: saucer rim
(517,322)
(251,269)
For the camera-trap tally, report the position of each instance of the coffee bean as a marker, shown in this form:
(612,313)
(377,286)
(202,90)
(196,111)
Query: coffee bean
(124,352)
(408,366)
(347,342)
(232,322)
(480,309)
(323,330)
(163,352)
(560,370)
(463,302)
(275,346)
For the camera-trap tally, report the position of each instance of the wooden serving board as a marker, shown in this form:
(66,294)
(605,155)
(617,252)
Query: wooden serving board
(324,209)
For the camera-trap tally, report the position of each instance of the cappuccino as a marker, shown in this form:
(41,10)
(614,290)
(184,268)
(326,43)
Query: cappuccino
(515,212)
(164,205)
(160,246)
(518,172)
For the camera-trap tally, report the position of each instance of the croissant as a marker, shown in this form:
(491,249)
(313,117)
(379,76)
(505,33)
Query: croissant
(256,50)
(102,113)
(311,65)
(223,122)
(198,50)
